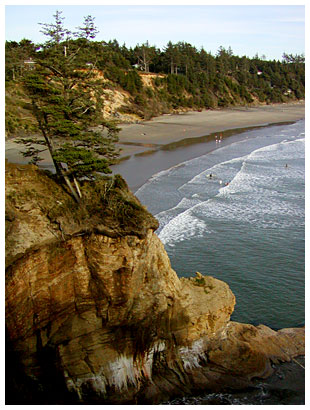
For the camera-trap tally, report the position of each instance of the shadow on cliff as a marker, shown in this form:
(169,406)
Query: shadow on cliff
(21,389)
(96,315)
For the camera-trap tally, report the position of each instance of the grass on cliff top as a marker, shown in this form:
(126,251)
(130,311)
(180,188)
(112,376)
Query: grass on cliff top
(110,199)
(107,205)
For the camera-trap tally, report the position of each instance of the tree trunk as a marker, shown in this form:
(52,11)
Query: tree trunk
(71,188)
(77,187)
(59,169)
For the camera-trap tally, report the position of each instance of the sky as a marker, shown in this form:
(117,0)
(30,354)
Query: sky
(246,27)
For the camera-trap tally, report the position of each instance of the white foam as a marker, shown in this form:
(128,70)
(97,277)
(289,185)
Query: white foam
(182,227)
(252,194)
(215,170)
(255,170)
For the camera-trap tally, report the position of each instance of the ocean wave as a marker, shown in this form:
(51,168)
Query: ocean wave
(183,227)
(252,194)
(216,170)
(260,186)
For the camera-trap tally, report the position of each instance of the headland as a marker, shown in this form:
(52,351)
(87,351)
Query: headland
(96,315)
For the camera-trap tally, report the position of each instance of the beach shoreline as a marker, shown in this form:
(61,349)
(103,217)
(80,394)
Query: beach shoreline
(163,145)
(151,135)
(163,142)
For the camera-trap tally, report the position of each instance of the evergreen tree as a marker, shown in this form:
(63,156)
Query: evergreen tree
(188,54)
(172,57)
(17,57)
(67,96)
(66,100)
(223,59)
(145,54)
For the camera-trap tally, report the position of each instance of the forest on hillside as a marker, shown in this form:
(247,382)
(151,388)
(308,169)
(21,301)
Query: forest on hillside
(184,78)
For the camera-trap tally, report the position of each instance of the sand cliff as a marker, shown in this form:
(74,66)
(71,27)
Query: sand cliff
(95,313)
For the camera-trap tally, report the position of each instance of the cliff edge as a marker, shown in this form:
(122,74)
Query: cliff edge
(96,315)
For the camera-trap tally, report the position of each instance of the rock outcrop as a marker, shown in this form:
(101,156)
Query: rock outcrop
(95,313)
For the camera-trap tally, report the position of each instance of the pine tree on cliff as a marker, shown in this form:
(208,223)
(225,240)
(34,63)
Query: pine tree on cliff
(66,100)
(145,54)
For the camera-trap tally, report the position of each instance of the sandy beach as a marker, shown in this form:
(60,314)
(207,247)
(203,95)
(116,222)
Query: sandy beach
(171,128)
(172,139)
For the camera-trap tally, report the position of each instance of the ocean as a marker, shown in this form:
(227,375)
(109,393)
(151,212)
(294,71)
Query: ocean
(237,213)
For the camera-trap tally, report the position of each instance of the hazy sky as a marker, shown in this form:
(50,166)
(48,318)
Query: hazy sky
(247,29)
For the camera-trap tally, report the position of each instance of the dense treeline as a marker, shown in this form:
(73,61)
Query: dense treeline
(187,78)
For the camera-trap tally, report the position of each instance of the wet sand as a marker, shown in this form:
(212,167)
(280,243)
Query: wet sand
(167,141)
(151,146)
(171,128)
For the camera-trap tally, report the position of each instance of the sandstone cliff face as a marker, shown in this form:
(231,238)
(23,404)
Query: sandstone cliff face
(92,301)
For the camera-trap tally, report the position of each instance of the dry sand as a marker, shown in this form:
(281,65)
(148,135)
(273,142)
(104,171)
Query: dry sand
(166,129)
(171,128)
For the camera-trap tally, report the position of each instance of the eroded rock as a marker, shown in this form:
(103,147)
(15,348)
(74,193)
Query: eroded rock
(91,297)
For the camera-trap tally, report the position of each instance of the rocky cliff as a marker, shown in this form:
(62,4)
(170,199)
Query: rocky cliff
(95,313)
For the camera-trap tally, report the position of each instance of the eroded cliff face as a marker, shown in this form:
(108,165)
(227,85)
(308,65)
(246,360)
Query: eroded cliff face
(93,305)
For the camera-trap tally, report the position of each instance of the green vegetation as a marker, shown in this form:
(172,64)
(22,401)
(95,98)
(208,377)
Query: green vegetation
(61,84)
(109,199)
(107,206)
(186,78)
(65,98)
(199,281)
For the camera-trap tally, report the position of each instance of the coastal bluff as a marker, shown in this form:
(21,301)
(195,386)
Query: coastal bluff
(96,315)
